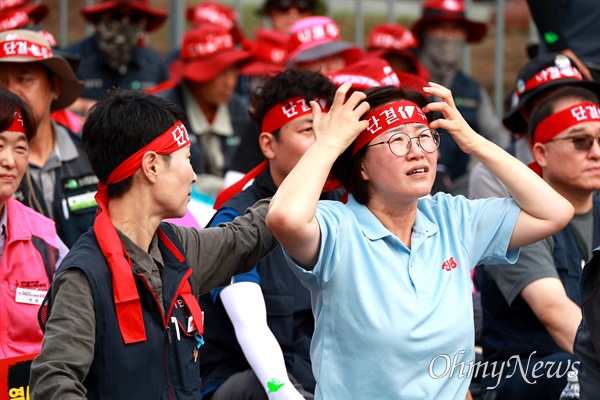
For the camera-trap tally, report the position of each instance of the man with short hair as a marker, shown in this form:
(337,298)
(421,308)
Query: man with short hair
(122,317)
(531,310)
(259,328)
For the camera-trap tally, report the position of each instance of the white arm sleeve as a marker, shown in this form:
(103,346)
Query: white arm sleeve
(245,305)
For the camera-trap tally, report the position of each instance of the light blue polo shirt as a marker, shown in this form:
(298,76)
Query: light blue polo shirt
(396,323)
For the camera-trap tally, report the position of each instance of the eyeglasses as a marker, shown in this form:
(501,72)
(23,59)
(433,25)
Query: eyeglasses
(301,5)
(580,142)
(399,143)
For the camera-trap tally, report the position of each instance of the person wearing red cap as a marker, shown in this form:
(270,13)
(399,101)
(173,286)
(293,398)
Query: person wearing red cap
(532,309)
(112,56)
(248,355)
(315,43)
(389,270)
(443,31)
(396,44)
(122,319)
(30,249)
(60,182)
(203,82)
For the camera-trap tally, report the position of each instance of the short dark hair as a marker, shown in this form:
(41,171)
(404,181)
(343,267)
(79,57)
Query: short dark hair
(290,83)
(347,168)
(545,107)
(120,124)
(9,104)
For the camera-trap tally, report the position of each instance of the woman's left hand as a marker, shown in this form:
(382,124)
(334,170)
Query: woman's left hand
(453,121)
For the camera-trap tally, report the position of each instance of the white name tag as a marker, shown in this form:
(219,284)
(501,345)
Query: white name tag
(30,296)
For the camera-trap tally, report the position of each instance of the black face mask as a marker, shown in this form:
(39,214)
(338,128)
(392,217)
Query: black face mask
(116,39)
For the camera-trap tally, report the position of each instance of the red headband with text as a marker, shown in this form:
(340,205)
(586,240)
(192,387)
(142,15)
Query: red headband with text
(564,119)
(17,124)
(547,75)
(287,111)
(388,117)
(127,301)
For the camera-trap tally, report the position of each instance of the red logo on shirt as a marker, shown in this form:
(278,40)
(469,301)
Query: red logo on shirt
(449,264)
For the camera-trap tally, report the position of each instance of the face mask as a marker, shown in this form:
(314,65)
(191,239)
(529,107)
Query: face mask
(116,39)
(442,55)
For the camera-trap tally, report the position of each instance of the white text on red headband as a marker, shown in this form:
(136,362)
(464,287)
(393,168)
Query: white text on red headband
(564,119)
(286,111)
(388,117)
(388,41)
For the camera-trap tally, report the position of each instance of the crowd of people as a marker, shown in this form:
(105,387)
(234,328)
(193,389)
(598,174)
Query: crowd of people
(379,232)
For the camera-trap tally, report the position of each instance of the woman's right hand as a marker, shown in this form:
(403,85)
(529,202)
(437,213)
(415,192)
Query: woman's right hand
(341,124)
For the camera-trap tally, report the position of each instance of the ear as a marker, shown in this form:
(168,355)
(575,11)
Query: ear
(363,172)
(150,165)
(267,143)
(55,87)
(539,154)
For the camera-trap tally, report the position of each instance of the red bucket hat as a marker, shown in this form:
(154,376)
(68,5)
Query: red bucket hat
(155,16)
(388,38)
(206,51)
(367,73)
(269,53)
(16,14)
(448,10)
(211,12)
(313,38)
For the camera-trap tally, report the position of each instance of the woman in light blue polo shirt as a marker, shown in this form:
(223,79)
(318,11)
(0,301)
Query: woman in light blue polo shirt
(389,270)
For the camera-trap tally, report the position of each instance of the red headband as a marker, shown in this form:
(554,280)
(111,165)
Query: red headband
(287,111)
(17,123)
(564,119)
(549,74)
(127,300)
(24,48)
(387,117)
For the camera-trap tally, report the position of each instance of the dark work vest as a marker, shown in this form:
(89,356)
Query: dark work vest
(467,97)
(73,180)
(287,301)
(161,367)
(509,331)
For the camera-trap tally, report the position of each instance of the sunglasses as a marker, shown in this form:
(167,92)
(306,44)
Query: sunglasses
(580,142)
(286,5)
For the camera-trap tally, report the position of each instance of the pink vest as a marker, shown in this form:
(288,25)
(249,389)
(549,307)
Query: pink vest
(22,266)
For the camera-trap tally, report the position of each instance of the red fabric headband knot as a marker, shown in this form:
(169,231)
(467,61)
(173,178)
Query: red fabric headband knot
(387,117)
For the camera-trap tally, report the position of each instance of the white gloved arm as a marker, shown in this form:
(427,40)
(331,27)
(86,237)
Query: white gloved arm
(245,305)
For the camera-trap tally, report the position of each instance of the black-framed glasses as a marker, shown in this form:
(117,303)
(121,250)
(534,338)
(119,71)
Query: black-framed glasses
(399,143)
(301,5)
(580,142)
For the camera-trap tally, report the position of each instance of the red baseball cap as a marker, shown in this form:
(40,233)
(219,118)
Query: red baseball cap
(367,73)
(269,53)
(313,38)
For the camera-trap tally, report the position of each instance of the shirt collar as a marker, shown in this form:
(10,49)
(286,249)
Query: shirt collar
(64,147)
(373,229)
(198,122)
